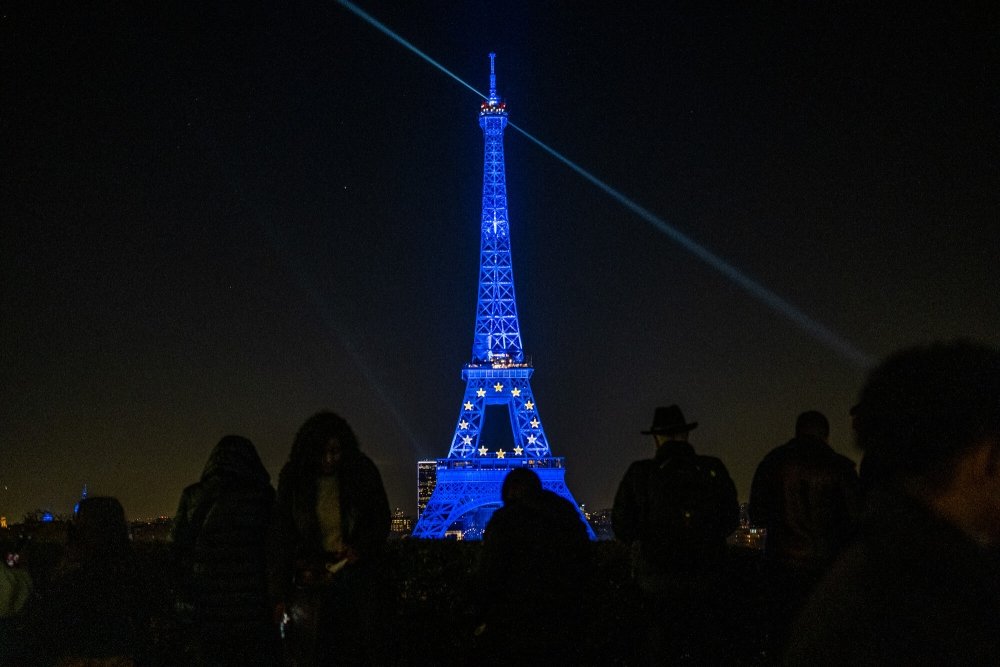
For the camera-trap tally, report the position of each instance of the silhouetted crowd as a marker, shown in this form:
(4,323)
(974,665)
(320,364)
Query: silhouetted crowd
(896,565)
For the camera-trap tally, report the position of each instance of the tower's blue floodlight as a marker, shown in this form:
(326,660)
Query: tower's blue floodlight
(469,480)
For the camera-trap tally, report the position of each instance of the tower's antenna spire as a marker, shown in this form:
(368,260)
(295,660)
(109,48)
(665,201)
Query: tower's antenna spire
(493,80)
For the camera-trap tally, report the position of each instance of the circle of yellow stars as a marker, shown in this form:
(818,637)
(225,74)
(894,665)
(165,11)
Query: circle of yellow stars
(500,453)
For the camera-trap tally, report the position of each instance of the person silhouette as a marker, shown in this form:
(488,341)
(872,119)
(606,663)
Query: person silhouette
(219,539)
(919,584)
(808,497)
(676,510)
(96,599)
(330,525)
(533,569)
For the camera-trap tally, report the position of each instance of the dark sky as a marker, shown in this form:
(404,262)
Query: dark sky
(223,220)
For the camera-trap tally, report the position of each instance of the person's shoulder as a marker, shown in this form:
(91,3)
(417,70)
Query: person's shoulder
(358,458)
(508,522)
(637,472)
(192,496)
(358,474)
(802,451)
(562,515)
(560,503)
(193,490)
(856,595)
(285,475)
(836,468)
(823,457)
(641,465)
(769,469)
(354,463)
(711,463)
(500,517)
(252,493)
(786,451)
(845,462)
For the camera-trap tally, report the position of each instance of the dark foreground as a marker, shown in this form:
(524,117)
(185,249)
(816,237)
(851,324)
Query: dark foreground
(434,618)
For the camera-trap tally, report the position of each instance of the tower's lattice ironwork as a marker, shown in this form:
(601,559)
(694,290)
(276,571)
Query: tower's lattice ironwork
(469,480)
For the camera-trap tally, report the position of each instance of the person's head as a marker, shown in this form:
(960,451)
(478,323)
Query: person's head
(930,418)
(99,529)
(235,458)
(669,425)
(520,484)
(812,424)
(320,444)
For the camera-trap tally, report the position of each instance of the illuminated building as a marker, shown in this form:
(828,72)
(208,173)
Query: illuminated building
(600,521)
(400,525)
(747,536)
(426,479)
(498,375)
(156,529)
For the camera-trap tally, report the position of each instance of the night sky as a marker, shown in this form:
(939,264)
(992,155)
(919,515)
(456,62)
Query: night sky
(222,220)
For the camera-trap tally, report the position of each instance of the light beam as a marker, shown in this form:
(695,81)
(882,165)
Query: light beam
(757,290)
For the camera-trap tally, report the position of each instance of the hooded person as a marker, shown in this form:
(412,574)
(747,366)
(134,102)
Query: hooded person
(219,540)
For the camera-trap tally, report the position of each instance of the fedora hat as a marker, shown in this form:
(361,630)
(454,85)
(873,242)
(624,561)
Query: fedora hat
(669,420)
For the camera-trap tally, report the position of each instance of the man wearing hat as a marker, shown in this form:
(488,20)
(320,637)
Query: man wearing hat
(676,511)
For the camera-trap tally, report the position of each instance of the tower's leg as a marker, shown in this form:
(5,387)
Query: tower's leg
(466,486)
(471,477)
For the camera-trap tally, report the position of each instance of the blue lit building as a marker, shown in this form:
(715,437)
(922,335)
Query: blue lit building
(468,481)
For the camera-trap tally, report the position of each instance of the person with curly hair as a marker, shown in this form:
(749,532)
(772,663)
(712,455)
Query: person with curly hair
(330,525)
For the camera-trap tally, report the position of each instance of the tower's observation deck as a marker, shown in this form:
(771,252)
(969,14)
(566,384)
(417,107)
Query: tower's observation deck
(493,109)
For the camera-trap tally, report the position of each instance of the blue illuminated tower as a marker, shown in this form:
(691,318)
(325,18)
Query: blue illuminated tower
(469,480)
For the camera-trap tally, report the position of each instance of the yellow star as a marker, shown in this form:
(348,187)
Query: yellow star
(463,424)
(498,386)
(467,440)
(529,405)
(501,453)
(518,450)
(468,405)
(515,392)
(480,392)
(532,439)
(483,450)
(534,423)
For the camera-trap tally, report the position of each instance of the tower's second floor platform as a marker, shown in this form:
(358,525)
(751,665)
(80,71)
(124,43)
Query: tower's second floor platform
(505,464)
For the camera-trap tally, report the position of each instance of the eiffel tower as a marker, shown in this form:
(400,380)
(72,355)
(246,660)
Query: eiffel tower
(469,480)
